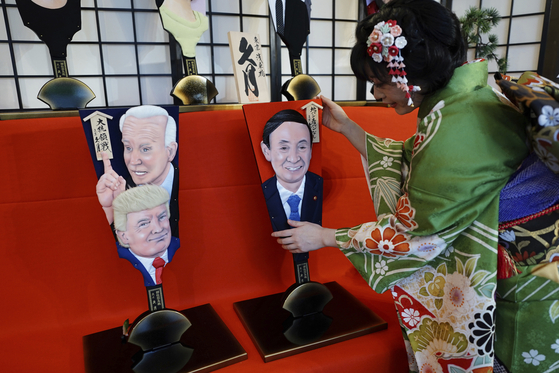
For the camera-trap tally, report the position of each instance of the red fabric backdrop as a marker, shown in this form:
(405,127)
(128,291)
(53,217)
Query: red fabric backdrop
(63,279)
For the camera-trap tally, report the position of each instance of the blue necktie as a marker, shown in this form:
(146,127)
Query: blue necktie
(293,202)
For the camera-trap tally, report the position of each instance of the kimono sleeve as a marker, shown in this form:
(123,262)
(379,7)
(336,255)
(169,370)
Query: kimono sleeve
(454,176)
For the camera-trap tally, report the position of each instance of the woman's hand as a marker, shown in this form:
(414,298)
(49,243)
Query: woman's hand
(335,118)
(305,237)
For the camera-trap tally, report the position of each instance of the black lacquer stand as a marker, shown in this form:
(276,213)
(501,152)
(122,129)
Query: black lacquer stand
(164,341)
(158,334)
(277,334)
(304,297)
(211,344)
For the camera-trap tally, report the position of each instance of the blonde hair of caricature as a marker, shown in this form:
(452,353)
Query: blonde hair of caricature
(140,198)
(148,111)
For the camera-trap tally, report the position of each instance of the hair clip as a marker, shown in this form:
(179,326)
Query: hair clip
(385,44)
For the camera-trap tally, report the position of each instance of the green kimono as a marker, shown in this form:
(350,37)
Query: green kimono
(528,318)
(436,197)
(527,334)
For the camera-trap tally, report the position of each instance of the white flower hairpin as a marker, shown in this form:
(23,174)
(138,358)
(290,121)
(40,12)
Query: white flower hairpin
(385,44)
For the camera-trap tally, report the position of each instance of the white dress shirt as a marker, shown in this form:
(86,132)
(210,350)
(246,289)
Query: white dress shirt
(148,263)
(168,182)
(285,194)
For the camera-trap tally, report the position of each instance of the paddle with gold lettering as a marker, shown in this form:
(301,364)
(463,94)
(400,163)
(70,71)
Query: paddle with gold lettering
(55,22)
(185,20)
(291,19)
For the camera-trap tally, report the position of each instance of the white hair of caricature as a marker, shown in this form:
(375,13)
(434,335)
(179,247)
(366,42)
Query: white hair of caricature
(140,198)
(147,111)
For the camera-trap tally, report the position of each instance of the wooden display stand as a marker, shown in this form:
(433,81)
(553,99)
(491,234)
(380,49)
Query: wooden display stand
(277,335)
(208,339)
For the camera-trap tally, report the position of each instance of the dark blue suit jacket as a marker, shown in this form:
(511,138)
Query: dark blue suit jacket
(124,253)
(311,209)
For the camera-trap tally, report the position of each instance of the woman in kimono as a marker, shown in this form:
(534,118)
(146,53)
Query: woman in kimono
(436,195)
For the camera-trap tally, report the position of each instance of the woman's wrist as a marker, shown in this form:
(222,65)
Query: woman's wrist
(356,136)
(329,237)
(348,127)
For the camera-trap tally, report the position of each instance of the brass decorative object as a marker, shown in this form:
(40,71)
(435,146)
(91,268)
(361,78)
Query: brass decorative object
(300,87)
(65,94)
(194,90)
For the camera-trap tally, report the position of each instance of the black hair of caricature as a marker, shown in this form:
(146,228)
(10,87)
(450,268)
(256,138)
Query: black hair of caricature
(435,44)
(288,115)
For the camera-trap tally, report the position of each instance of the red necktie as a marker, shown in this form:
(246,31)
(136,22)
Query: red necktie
(158,263)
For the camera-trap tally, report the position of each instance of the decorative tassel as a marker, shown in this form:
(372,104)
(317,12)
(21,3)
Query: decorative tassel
(395,64)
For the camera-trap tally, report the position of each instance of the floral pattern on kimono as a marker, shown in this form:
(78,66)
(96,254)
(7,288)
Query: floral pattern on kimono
(434,244)
(528,319)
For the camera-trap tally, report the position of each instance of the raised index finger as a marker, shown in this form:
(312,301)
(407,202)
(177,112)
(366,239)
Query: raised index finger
(106,162)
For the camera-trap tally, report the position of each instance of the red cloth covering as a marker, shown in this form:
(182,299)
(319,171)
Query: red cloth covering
(51,218)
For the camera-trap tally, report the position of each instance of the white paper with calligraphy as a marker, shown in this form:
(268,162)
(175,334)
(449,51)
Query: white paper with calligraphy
(101,136)
(248,66)
(311,110)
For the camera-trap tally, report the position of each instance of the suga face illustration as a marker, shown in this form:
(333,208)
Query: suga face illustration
(293,192)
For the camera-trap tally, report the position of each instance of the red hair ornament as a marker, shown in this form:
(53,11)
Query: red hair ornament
(384,44)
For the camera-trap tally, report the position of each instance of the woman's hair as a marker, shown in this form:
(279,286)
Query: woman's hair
(435,45)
